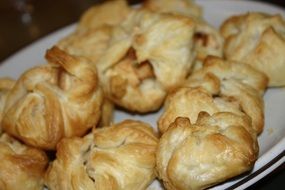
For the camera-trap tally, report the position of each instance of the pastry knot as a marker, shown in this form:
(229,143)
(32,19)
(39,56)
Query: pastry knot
(120,157)
(52,101)
(199,155)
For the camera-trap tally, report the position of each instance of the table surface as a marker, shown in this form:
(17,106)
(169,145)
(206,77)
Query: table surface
(22,24)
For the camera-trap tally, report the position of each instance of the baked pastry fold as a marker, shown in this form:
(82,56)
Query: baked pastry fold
(89,44)
(107,113)
(133,63)
(237,81)
(182,7)
(207,42)
(217,87)
(118,157)
(5,86)
(257,39)
(189,102)
(217,69)
(202,154)
(52,101)
(108,13)
(21,166)
(138,65)
(206,39)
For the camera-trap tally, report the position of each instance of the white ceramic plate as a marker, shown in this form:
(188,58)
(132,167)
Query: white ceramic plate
(271,141)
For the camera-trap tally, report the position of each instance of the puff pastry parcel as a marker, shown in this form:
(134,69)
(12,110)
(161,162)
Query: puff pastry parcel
(202,154)
(210,125)
(52,101)
(138,65)
(257,39)
(120,157)
(21,167)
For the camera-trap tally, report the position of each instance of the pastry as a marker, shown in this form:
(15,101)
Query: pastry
(107,114)
(52,101)
(206,39)
(202,154)
(217,68)
(218,86)
(238,81)
(119,157)
(5,86)
(189,102)
(257,39)
(133,63)
(183,7)
(138,65)
(108,13)
(21,166)
(207,42)
(89,44)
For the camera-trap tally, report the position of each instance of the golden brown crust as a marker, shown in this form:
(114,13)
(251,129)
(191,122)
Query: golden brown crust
(189,102)
(44,105)
(133,63)
(130,86)
(225,69)
(206,39)
(207,42)
(216,148)
(5,86)
(118,157)
(210,125)
(257,39)
(107,115)
(181,7)
(90,44)
(21,167)
(218,86)
(249,99)
(108,13)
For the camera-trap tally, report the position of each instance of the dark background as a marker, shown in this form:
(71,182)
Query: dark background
(21,24)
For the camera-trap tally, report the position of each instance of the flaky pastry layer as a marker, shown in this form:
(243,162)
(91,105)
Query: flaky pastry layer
(257,39)
(120,157)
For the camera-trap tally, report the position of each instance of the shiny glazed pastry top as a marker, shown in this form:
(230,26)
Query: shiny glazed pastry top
(119,157)
(52,101)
